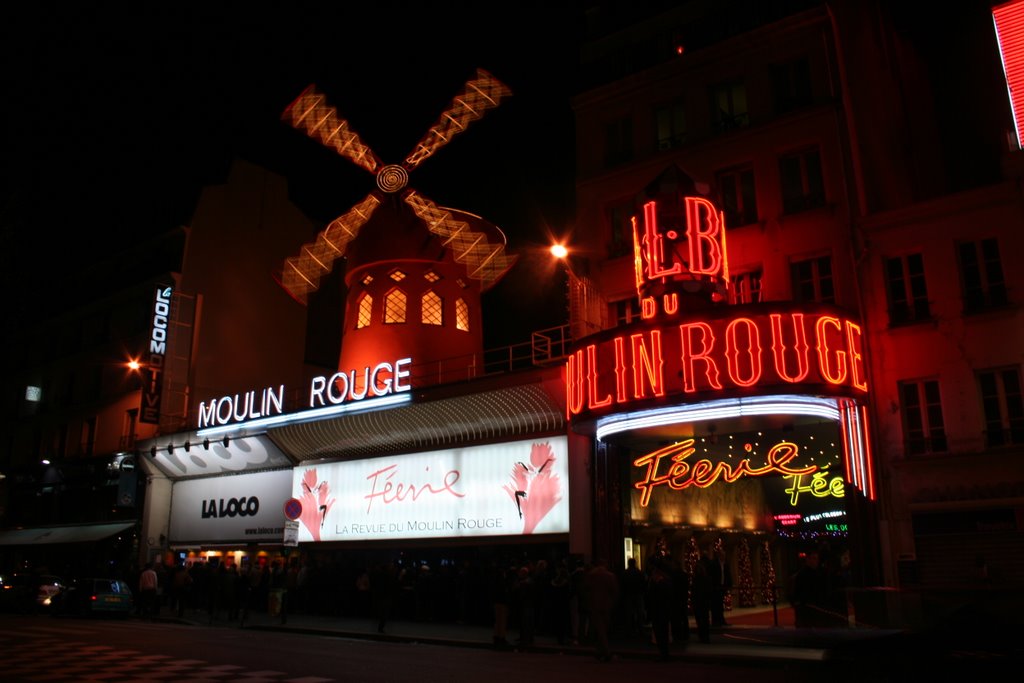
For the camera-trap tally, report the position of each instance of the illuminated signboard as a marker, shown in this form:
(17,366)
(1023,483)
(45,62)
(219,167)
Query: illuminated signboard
(508,489)
(153,368)
(671,466)
(818,348)
(384,379)
(681,258)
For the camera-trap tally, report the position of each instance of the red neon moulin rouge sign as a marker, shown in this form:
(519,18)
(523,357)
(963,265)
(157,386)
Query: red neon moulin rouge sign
(721,351)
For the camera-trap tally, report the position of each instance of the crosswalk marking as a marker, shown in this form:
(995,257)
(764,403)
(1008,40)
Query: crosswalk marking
(30,654)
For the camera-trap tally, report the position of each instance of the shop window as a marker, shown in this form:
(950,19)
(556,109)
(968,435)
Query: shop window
(618,145)
(670,125)
(432,309)
(1002,405)
(791,85)
(981,275)
(812,280)
(364,316)
(802,185)
(923,427)
(746,288)
(729,107)
(738,198)
(620,221)
(394,306)
(908,293)
(461,315)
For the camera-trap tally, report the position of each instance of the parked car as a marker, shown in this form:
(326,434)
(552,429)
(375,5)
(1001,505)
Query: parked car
(95,596)
(25,593)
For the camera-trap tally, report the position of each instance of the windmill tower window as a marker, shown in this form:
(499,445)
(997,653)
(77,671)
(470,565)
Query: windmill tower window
(394,306)
(367,280)
(461,315)
(432,309)
(397,276)
(364,316)
(431,276)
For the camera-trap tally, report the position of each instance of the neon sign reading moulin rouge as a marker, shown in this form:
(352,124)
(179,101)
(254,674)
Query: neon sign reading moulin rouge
(715,353)
(342,387)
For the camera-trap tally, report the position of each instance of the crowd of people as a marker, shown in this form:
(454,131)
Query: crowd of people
(574,601)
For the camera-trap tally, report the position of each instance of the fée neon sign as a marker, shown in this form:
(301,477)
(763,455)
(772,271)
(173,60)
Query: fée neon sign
(729,353)
(680,474)
(819,486)
(382,379)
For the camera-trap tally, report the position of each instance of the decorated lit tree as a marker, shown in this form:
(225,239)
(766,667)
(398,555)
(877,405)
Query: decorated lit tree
(768,574)
(727,600)
(692,557)
(746,578)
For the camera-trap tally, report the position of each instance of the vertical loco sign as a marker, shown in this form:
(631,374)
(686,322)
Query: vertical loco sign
(153,367)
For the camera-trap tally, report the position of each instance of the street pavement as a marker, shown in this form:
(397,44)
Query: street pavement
(751,635)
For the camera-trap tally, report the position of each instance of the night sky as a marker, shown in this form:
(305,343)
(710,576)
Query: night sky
(118,113)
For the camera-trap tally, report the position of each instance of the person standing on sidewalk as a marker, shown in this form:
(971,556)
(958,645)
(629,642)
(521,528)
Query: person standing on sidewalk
(149,607)
(721,583)
(602,587)
(660,594)
(701,597)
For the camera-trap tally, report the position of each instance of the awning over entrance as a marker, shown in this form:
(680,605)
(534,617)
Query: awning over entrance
(502,414)
(83,533)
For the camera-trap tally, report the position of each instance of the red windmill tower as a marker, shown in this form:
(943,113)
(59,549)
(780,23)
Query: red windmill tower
(414,270)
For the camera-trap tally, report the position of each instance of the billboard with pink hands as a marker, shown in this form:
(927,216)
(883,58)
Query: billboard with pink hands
(507,489)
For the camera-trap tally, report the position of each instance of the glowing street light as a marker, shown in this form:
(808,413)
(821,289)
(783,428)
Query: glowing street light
(559,251)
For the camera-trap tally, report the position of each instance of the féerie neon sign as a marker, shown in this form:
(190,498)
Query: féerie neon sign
(679,473)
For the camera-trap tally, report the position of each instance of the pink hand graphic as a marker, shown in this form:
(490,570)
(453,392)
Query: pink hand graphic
(315,502)
(535,488)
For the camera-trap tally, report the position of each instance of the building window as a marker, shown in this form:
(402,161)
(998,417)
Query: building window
(670,124)
(905,284)
(618,143)
(738,199)
(397,275)
(802,184)
(620,220)
(432,309)
(812,280)
(394,306)
(364,316)
(923,428)
(746,288)
(626,311)
(981,275)
(461,315)
(431,276)
(729,107)
(791,85)
(1003,406)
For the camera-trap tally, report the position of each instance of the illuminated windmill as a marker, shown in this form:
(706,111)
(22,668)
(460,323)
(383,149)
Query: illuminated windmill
(414,270)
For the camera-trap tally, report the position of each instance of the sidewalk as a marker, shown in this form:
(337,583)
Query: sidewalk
(750,635)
